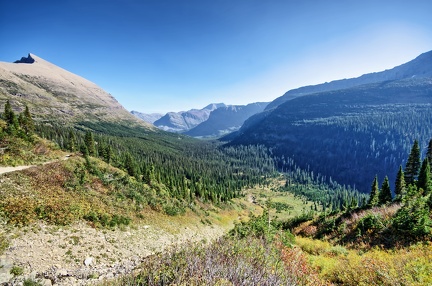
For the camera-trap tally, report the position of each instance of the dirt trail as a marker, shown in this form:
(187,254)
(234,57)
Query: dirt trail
(4,170)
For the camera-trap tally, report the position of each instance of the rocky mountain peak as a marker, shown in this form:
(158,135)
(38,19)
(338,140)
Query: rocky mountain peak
(25,60)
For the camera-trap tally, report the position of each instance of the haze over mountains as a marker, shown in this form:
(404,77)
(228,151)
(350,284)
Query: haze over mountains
(214,120)
(350,129)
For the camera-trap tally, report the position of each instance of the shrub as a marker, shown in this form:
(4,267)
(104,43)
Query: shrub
(17,271)
(370,223)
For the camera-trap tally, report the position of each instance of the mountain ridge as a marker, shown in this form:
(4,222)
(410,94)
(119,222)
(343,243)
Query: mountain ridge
(411,68)
(226,119)
(53,92)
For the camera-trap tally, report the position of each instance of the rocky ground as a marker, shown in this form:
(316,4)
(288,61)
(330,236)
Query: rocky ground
(82,255)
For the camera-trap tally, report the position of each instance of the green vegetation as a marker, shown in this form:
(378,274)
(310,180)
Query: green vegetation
(16,271)
(253,253)
(312,231)
(325,196)
(115,180)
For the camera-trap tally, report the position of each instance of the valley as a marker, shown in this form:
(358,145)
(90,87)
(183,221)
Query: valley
(90,194)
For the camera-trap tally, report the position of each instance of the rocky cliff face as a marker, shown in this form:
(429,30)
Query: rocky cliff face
(52,92)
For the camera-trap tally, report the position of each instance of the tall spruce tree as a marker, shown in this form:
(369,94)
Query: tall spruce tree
(424,180)
(11,119)
(374,194)
(8,114)
(429,153)
(90,144)
(413,164)
(400,187)
(385,195)
(27,125)
(72,142)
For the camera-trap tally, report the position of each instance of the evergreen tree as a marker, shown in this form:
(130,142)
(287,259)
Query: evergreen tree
(90,144)
(11,119)
(130,165)
(400,189)
(72,142)
(8,114)
(108,154)
(385,195)
(424,180)
(413,164)
(27,123)
(429,154)
(374,194)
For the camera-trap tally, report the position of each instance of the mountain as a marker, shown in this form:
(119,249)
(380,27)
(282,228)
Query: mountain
(53,93)
(226,119)
(147,117)
(185,120)
(415,68)
(350,134)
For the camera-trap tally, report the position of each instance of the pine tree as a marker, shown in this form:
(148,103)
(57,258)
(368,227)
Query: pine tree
(424,180)
(8,114)
(130,165)
(374,194)
(429,153)
(11,119)
(385,195)
(90,144)
(72,142)
(413,164)
(400,189)
(108,154)
(27,123)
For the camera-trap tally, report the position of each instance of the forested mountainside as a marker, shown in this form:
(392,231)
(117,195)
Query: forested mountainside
(419,67)
(226,119)
(347,135)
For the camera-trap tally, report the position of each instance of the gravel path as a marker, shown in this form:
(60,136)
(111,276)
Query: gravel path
(4,170)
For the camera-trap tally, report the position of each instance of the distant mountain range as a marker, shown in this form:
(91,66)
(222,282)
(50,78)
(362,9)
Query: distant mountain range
(185,120)
(55,94)
(226,119)
(147,117)
(214,120)
(348,130)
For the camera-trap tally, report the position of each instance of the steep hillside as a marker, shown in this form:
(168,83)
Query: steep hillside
(53,93)
(348,135)
(419,67)
(185,120)
(226,119)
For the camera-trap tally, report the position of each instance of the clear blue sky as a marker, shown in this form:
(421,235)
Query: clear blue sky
(166,55)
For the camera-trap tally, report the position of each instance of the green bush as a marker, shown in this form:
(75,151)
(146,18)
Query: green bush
(370,222)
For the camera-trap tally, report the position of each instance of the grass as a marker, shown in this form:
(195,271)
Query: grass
(20,152)
(284,205)
(336,264)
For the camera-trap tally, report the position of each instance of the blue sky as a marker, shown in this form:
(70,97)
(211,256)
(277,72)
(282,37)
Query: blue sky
(166,55)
